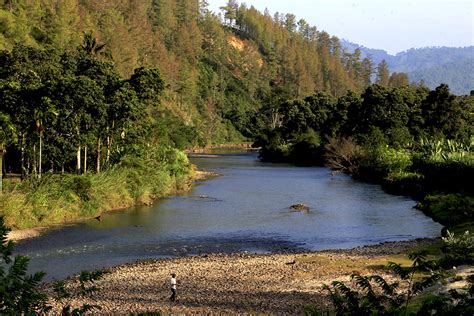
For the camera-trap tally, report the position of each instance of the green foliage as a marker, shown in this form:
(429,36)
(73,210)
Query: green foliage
(19,291)
(452,303)
(459,249)
(376,296)
(386,160)
(449,209)
(448,116)
(81,185)
(86,288)
(373,295)
(215,71)
(133,180)
(446,150)
(306,148)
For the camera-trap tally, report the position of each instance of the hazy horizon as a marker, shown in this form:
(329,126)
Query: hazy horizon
(393,25)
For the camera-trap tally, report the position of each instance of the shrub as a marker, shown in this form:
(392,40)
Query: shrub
(389,160)
(459,249)
(82,185)
(343,154)
(373,295)
(306,148)
(20,292)
(449,209)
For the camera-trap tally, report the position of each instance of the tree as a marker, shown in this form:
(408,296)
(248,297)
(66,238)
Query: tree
(447,116)
(383,74)
(7,136)
(230,11)
(290,22)
(380,108)
(44,111)
(398,80)
(90,46)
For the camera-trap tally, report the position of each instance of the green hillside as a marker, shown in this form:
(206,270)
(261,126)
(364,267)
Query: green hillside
(217,73)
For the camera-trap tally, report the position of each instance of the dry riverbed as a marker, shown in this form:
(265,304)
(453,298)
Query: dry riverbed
(239,283)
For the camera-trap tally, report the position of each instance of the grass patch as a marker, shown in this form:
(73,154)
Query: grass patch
(56,199)
(449,209)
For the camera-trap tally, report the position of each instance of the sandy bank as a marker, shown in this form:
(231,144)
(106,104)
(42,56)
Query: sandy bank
(21,234)
(238,283)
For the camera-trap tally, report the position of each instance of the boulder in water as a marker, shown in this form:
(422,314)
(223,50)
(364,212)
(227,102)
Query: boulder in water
(300,207)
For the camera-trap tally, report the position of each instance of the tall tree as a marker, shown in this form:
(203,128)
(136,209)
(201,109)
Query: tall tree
(230,11)
(383,74)
(7,136)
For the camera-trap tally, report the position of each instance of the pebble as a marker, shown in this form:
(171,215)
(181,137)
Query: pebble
(233,283)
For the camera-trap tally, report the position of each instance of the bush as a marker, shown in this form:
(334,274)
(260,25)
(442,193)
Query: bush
(399,137)
(343,154)
(81,185)
(445,176)
(306,149)
(373,295)
(459,249)
(20,292)
(449,209)
(273,147)
(389,160)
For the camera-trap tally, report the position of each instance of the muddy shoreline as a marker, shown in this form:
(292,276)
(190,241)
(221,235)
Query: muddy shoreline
(239,283)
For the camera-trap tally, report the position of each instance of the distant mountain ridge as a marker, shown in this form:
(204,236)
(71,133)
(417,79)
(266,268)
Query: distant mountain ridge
(432,65)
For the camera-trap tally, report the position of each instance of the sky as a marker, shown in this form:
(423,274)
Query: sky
(392,25)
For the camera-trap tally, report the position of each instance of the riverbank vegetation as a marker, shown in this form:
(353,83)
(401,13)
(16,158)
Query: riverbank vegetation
(57,198)
(87,87)
(416,289)
(80,139)
(410,140)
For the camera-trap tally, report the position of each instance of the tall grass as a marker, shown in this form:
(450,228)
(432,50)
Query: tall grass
(57,199)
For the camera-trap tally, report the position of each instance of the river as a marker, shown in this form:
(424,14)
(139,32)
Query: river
(244,209)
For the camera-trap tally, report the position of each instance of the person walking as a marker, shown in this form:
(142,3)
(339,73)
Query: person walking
(173,287)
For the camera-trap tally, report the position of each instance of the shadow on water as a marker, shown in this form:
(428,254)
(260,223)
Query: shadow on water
(245,209)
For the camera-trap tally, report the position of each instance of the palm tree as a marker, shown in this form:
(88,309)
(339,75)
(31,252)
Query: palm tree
(91,47)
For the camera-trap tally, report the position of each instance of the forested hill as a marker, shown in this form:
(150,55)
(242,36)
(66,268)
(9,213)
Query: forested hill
(217,74)
(432,65)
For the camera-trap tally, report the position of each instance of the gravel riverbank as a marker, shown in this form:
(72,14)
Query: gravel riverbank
(237,283)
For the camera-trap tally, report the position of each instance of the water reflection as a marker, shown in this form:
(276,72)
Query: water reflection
(245,209)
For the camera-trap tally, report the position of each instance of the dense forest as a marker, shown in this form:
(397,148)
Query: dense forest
(218,71)
(86,84)
(98,97)
(430,65)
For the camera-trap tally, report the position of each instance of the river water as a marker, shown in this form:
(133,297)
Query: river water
(244,209)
